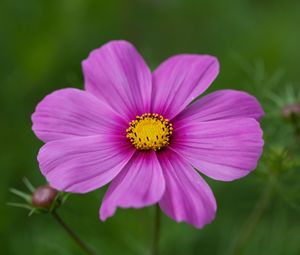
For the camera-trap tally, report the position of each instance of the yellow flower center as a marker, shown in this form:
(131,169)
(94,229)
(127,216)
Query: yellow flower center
(149,132)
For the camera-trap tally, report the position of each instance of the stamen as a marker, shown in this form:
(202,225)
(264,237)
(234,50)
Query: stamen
(149,132)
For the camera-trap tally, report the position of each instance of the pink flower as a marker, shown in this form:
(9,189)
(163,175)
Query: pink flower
(141,132)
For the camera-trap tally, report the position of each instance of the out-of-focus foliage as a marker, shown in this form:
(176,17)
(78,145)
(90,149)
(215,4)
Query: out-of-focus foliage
(41,47)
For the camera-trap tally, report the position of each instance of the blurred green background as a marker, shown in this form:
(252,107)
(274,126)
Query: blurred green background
(257,42)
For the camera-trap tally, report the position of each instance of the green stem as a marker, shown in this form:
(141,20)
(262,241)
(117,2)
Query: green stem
(73,235)
(156,232)
(253,220)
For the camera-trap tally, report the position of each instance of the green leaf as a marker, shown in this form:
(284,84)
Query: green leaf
(28,184)
(19,205)
(25,196)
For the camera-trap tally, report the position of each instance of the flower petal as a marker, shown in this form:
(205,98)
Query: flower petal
(140,183)
(73,112)
(187,196)
(118,75)
(83,164)
(222,104)
(221,149)
(179,80)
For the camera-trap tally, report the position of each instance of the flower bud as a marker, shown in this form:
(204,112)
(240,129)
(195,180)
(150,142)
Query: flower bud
(291,110)
(44,196)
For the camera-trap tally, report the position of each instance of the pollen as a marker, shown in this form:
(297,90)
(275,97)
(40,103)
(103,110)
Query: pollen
(149,132)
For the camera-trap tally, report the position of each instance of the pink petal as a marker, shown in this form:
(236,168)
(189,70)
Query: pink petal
(222,104)
(187,196)
(83,164)
(118,75)
(179,80)
(221,149)
(141,183)
(72,112)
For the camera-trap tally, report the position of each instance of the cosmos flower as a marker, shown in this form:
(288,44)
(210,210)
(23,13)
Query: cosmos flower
(142,132)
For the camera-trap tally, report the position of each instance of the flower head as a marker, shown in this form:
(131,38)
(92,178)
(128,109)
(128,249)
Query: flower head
(141,132)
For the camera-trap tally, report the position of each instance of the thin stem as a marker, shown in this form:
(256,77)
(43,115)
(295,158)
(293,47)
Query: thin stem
(73,235)
(156,232)
(253,220)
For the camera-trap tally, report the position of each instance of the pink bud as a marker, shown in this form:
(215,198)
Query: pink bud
(44,196)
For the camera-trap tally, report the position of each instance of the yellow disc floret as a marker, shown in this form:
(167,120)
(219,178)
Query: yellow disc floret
(149,132)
